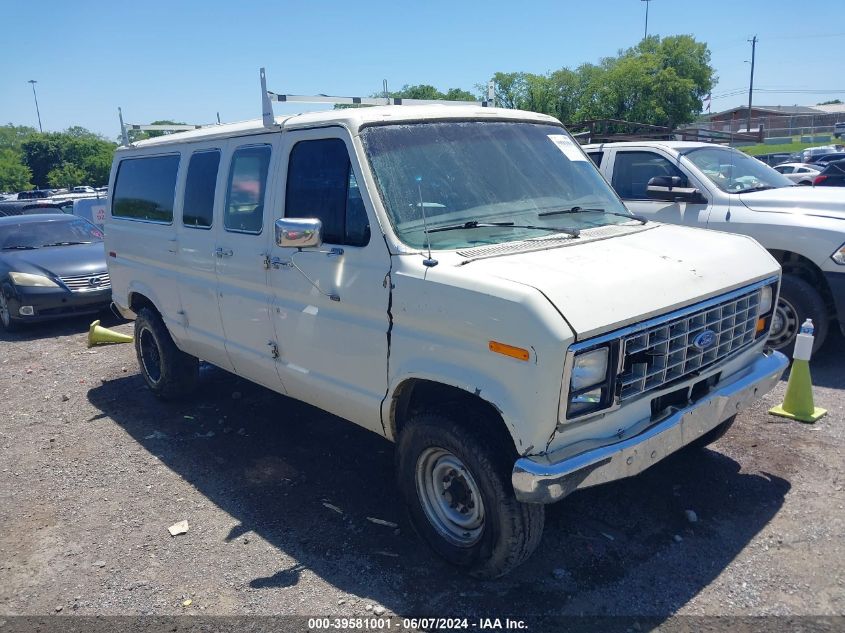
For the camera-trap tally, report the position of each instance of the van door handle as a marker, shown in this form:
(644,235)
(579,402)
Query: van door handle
(223,252)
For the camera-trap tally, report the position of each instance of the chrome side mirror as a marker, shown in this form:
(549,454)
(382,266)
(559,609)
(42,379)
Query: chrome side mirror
(299,232)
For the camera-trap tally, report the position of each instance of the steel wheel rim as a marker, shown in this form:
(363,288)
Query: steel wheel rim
(450,497)
(784,324)
(150,356)
(5,316)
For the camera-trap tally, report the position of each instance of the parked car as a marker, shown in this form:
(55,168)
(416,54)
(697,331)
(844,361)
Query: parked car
(826,157)
(775,158)
(23,207)
(51,266)
(839,129)
(457,279)
(35,194)
(83,189)
(799,173)
(705,185)
(812,154)
(833,175)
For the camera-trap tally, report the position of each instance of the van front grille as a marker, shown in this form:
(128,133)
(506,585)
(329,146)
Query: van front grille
(676,348)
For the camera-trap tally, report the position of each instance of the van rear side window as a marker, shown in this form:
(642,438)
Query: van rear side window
(198,206)
(145,188)
(245,195)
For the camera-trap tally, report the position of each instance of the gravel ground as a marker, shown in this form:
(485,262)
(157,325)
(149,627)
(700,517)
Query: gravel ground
(280,499)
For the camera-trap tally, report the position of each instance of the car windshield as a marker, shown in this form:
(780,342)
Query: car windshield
(735,172)
(469,183)
(28,235)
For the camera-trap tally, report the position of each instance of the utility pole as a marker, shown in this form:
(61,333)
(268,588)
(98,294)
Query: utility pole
(753,41)
(645,33)
(37,111)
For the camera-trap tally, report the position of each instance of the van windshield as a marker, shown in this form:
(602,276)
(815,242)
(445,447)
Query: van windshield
(527,180)
(735,172)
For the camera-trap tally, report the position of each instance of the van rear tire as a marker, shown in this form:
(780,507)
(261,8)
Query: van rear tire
(169,372)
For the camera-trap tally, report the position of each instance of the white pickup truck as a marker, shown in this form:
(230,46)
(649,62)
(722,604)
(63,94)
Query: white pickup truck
(715,187)
(457,279)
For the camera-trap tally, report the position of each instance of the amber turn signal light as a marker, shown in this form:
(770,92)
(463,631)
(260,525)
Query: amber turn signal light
(509,350)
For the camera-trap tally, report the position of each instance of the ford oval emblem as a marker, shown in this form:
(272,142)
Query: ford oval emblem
(704,340)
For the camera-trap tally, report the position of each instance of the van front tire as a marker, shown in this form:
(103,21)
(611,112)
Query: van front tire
(169,372)
(457,489)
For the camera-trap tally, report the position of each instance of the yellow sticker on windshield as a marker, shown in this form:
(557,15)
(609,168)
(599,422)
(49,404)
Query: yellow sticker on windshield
(566,145)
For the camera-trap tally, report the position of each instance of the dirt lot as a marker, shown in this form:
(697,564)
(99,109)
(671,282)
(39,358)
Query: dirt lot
(278,496)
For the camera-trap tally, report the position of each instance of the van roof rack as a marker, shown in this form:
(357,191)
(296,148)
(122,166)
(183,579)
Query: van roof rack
(268,97)
(159,127)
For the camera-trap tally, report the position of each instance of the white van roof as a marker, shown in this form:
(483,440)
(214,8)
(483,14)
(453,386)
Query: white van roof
(351,118)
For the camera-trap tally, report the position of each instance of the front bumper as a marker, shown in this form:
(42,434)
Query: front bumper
(541,479)
(836,283)
(54,303)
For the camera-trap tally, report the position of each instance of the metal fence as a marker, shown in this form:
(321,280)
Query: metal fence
(779,125)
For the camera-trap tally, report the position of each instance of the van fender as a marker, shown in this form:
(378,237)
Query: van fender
(137,287)
(468,379)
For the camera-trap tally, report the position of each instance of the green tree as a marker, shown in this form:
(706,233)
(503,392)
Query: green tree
(11,136)
(659,81)
(86,151)
(420,91)
(831,102)
(140,135)
(66,175)
(14,175)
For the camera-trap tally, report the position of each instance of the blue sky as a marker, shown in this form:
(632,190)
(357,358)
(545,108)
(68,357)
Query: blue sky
(188,60)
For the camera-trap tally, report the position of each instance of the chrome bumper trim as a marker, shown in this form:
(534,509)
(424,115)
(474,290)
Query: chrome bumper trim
(542,480)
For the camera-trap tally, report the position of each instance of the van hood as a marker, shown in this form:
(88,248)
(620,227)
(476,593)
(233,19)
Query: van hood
(603,285)
(827,202)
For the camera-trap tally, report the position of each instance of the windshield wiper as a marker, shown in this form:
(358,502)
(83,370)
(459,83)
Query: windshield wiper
(19,247)
(630,216)
(472,224)
(544,214)
(65,243)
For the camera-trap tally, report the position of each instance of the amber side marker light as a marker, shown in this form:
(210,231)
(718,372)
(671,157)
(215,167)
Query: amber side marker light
(761,325)
(509,350)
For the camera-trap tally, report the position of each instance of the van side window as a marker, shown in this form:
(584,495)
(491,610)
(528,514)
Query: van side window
(145,188)
(245,194)
(321,184)
(198,204)
(596,157)
(633,170)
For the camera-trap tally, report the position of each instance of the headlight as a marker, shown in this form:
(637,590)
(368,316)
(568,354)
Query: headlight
(766,295)
(589,368)
(33,281)
(590,386)
(839,256)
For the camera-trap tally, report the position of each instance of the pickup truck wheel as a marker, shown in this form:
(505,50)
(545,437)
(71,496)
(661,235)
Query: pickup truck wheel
(169,372)
(712,435)
(460,500)
(798,301)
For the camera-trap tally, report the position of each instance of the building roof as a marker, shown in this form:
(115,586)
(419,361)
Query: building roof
(351,118)
(832,108)
(783,110)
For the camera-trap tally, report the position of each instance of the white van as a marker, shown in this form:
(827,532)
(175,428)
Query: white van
(458,279)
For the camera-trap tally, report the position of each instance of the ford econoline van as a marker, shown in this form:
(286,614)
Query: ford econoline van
(458,279)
